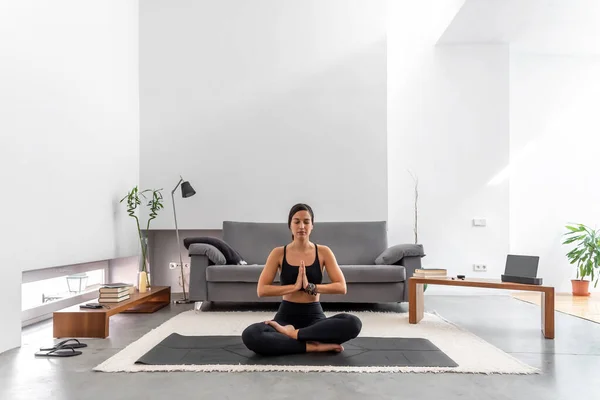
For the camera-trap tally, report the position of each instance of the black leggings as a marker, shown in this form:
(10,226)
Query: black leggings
(312,325)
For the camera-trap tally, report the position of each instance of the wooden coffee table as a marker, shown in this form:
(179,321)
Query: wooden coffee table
(415,296)
(93,323)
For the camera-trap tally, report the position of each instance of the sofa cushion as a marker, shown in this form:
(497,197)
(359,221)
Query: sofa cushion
(231,255)
(352,273)
(235,273)
(371,273)
(396,253)
(208,250)
(353,243)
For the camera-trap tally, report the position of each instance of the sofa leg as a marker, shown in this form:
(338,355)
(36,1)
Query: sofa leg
(403,306)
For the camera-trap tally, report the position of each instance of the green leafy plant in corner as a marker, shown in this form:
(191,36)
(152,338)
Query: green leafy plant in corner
(155,204)
(586,253)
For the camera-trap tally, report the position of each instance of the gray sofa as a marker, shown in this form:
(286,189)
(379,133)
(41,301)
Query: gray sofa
(374,272)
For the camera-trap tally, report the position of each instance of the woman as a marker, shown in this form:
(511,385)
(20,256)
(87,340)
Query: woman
(300,325)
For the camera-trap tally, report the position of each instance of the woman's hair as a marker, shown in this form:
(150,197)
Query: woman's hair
(300,207)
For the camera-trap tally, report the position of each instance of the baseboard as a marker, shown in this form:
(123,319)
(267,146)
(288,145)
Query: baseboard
(35,320)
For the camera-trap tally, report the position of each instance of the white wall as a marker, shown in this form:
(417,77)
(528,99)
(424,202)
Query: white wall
(164,250)
(554,142)
(69,138)
(448,123)
(264,104)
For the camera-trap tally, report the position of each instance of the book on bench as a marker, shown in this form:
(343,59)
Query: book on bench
(102,299)
(115,292)
(431,273)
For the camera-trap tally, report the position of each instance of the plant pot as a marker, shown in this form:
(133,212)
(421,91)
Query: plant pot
(580,287)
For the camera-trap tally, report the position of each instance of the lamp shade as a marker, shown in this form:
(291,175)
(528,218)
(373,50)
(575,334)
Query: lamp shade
(187,190)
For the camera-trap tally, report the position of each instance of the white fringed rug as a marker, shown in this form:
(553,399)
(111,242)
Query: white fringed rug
(471,353)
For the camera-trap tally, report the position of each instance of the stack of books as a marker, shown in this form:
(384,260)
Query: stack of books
(114,293)
(431,273)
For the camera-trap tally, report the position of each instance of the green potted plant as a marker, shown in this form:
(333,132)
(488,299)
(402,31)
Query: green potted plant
(585,254)
(134,201)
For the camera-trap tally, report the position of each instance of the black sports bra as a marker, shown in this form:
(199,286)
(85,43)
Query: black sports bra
(289,273)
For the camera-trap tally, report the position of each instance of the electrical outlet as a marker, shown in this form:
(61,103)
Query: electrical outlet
(479,267)
(175,265)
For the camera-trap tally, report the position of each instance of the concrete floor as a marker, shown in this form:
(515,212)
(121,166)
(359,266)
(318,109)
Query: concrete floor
(570,364)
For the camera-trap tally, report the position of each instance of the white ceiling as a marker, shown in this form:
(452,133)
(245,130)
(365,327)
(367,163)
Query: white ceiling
(543,26)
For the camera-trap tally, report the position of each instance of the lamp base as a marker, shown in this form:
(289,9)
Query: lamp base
(183,301)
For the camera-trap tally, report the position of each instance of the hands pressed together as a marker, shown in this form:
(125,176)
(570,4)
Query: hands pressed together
(302,281)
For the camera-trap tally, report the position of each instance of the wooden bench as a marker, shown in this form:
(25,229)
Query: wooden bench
(416,300)
(93,323)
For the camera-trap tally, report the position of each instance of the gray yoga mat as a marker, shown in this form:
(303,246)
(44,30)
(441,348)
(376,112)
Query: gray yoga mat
(177,349)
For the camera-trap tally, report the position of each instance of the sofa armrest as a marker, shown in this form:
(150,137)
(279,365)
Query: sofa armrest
(410,264)
(197,284)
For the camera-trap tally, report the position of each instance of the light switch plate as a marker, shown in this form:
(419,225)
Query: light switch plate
(479,222)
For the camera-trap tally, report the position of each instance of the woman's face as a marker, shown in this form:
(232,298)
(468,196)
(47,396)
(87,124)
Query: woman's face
(301,225)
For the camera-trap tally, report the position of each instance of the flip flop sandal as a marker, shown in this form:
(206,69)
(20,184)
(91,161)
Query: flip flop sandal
(62,352)
(65,343)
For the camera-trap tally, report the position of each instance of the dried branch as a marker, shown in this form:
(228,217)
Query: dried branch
(416,183)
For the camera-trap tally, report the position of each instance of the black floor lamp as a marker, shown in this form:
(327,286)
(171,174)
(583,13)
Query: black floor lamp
(186,191)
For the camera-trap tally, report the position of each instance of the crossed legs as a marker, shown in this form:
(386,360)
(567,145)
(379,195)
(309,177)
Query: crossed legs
(276,337)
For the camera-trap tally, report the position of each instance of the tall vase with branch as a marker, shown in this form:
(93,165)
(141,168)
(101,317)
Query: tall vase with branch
(416,208)
(155,204)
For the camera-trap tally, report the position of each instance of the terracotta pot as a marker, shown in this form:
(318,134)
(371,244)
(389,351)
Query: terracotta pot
(580,287)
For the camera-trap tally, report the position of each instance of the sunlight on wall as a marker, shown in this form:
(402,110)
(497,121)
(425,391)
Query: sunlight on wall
(37,293)
(505,173)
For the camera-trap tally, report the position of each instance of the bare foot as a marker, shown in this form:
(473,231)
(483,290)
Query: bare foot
(287,330)
(322,347)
